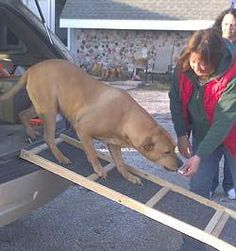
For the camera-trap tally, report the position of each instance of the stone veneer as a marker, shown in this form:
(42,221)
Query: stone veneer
(114,48)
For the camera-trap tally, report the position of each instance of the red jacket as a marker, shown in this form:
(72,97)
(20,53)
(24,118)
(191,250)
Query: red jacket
(212,93)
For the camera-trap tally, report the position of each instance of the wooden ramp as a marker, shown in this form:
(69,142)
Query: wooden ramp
(209,234)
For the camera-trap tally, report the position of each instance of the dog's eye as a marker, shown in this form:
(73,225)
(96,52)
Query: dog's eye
(166,153)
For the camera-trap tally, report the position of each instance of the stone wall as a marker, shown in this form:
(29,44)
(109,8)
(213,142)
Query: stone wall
(113,48)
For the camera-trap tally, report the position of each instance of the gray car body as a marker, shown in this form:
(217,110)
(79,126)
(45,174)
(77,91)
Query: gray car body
(24,186)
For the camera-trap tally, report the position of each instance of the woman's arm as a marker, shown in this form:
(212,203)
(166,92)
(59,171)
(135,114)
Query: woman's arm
(184,144)
(224,120)
(176,107)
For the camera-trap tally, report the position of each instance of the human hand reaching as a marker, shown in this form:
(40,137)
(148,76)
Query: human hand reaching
(191,166)
(184,147)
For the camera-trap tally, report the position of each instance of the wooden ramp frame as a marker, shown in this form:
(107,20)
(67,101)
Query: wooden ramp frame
(209,235)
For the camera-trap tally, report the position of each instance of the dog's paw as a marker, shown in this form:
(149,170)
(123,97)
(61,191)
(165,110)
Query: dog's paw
(101,173)
(64,160)
(134,179)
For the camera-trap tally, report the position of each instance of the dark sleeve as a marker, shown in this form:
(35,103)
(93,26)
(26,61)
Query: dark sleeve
(176,107)
(224,120)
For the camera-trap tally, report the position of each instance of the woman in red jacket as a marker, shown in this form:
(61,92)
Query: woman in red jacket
(203,105)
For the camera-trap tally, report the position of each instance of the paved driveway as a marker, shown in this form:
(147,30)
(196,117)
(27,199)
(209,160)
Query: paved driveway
(81,220)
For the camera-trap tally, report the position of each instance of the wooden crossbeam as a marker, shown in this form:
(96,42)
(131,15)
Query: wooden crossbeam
(158,196)
(220,225)
(214,221)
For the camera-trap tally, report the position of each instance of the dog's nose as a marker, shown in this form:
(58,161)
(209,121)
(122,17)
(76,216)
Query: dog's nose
(179,162)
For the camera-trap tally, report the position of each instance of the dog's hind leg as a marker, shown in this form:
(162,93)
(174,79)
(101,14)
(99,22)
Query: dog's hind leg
(47,108)
(49,121)
(116,154)
(25,117)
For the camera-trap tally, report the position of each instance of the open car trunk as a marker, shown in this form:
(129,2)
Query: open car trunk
(23,43)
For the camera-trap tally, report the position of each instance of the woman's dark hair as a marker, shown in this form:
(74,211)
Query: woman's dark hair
(219,19)
(208,44)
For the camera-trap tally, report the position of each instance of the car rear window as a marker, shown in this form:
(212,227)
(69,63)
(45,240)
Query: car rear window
(9,41)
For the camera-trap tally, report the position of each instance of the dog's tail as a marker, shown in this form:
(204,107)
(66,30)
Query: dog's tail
(16,88)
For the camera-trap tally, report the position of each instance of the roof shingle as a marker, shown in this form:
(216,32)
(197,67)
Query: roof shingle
(144,9)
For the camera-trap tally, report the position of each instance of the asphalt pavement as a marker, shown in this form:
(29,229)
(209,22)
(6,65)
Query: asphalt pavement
(82,220)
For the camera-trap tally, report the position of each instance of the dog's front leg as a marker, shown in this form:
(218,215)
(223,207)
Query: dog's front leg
(92,155)
(117,157)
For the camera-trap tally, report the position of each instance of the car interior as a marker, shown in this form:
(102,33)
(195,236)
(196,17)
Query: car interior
(20,48)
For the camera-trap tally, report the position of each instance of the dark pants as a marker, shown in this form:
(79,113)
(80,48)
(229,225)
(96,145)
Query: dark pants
(201,183)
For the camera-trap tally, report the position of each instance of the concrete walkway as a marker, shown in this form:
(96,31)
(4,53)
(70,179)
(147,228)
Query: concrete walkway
(126,85)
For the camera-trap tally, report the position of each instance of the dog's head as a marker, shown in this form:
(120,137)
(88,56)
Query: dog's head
(159,147)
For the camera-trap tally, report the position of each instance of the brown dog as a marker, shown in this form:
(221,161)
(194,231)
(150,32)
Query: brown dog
(96,111)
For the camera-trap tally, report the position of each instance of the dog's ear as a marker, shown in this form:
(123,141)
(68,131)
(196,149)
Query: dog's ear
(147,145)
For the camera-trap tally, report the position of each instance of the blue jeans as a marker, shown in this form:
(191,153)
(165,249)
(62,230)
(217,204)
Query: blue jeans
(227,182)
(201,183)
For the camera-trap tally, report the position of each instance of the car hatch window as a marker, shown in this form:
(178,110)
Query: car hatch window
(9,41)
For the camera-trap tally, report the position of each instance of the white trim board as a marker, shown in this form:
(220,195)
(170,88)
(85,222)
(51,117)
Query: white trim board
(182,25)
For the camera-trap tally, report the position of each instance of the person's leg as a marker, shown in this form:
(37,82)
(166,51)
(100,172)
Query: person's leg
(230,161)
(227,183)
(215,182)
(201,183)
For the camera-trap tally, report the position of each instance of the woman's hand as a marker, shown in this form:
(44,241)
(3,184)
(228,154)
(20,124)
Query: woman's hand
(184,147)
(191,166)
